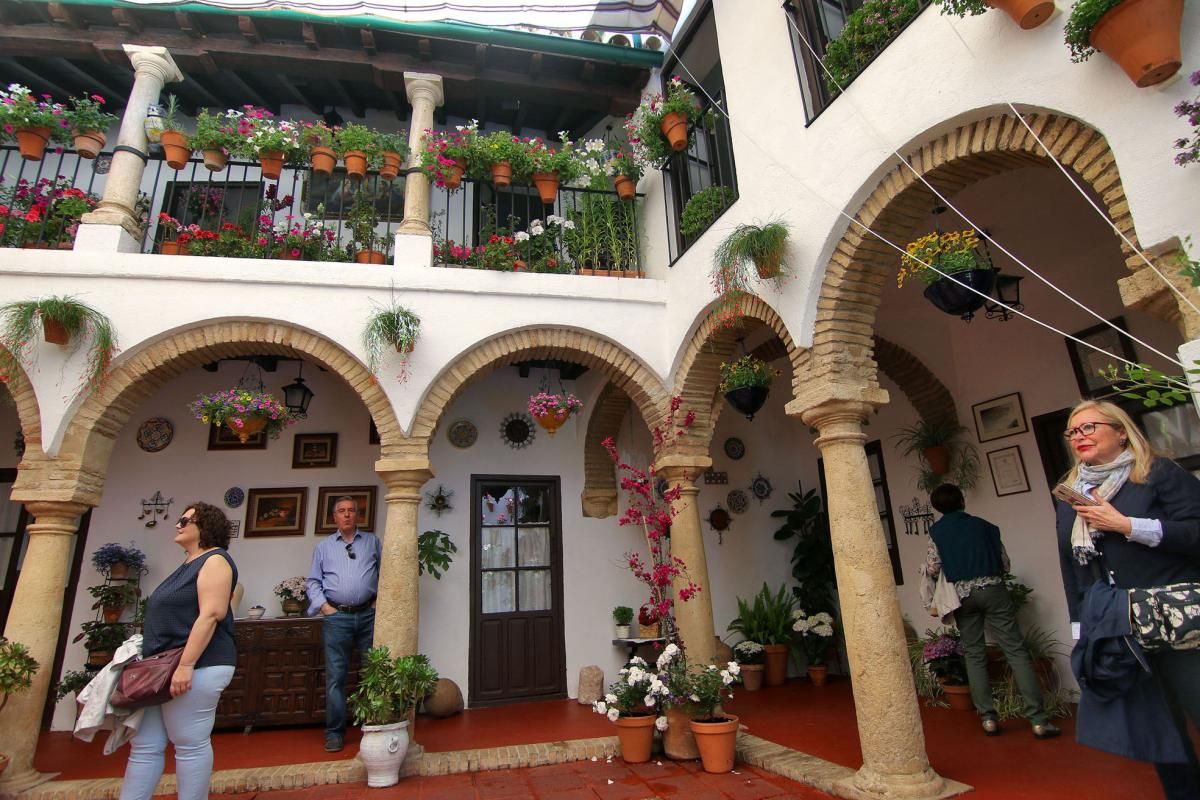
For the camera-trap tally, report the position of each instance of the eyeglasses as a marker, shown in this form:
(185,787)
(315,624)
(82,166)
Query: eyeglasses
(350,550)
(184,521)
(1085,429)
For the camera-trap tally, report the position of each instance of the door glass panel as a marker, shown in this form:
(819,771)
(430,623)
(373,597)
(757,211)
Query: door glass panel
(496,505)
(498,592)
(535,590)
(497,548)
(535,504)
(533,547)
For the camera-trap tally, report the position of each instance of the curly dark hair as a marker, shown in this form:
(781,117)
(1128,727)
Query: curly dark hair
(213,524)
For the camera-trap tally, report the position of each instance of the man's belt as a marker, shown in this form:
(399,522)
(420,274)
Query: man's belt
(354,609)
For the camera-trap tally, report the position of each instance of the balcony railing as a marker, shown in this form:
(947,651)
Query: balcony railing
(585,231)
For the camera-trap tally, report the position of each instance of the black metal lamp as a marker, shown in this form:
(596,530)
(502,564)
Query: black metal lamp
(297,396)
(1008,292)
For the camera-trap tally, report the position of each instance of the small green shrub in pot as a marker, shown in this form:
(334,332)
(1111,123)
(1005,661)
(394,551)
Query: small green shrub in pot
(389,689)
(351,138)
(17,669)
(703,207)
(622,615)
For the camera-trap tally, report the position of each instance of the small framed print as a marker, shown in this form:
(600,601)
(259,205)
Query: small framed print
(220,437)
(1088,363)
(1008,471)
(327,496)
(1000,417)
(314,450)
(275,512)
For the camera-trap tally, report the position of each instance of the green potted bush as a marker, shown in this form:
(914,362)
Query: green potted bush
(768,621)
(435,551)
(17,669)
(945,457)
(89,123)
(387,694)
(113,598)
(1142,36)
(1027,13)
(216,137)
(63,321)
(71,683)
(392,325)
(868,30)
(622,619)
(762,245)
(746,383)
(392,151)
(356,145)
(703,208)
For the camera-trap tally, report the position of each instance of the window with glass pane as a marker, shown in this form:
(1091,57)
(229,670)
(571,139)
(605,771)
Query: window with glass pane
(516,554)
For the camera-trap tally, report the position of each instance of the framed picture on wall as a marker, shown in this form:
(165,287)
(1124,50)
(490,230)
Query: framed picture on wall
(1088,363)
(314,450)
(220,437)
(327,496)
(1008,471)
(999,417)
(275,512)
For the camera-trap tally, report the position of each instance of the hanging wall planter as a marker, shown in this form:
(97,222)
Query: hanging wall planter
(958,300)
(356,164)
(1142,36)
(391,165)
(31,142)
(215,160)
(89,143)
(547,186)
(64,321)
(746,384)
(323,160)
(271,163)
(747,400)
(176,148)
(551,411)
(244,411)
(502,174)
(1029,14)
(674,126)
(626,189)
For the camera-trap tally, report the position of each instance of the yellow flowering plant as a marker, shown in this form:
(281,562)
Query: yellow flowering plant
(950,252)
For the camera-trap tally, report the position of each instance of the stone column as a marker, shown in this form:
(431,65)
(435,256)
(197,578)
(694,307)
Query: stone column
(114,225)
(425,93)
(397,610)
(36,609)
(885,700)
(695,616)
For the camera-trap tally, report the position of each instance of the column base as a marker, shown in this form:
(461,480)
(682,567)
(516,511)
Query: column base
(106,237)
(14,783)
(867,784)
(414,248)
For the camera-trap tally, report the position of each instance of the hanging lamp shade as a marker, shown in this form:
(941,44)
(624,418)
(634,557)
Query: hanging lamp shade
(297,396)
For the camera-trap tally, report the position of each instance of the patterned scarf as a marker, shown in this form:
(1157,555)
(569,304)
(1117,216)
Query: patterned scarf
(1108,480)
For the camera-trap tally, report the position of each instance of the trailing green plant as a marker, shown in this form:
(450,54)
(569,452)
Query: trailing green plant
(71,683)
(389,689)
(963,8)
(622,615)
(351,137)
(964,459)
(86,115)
(866,32)
(761,245)
(21,320)
(17,669)
(1077,32)
(747,371)
(392,325)
(812,554)
(111,553)
(215,132)
(703,208)
(435,551)
(768,618)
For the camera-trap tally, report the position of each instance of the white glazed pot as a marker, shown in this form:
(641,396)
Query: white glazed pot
(382,751)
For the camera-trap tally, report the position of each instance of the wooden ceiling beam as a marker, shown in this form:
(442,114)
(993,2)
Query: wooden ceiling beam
(249,92)
(192,83)
(89,79)
(425,49)
(249,30)
(535,65)
(127,20)
(302,95)
(400,109)
(368,42)
(481,51)
(348,100)
(63,14)
(34,79)
(189,24)
(309,33)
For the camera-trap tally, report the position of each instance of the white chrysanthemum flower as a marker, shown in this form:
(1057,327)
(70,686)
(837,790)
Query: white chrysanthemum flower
(734,667)
(569,225)
(613,715)
(599,707)
(611,699)
(661,723)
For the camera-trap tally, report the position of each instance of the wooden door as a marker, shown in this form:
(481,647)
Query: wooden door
(517,650)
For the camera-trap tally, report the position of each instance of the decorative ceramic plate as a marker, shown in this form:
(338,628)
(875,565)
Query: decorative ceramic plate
(738,501)
(516,430)
(734,448)
(719,519)
(234,497)
(761,488)
(462,433)
(155,434)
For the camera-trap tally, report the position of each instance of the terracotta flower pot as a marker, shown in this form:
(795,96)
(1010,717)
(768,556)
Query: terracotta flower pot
(271,163)
(674,126)
(286,254)
(98,658)
(323,160)
(119,571)
(959,697)
(452,175)
(626,188)
(32,142)
(717,742)
(370,257)
(1026,13)
(636,735)
(777,661)
(551,422)
(250,426)
(938,459)
(752,677)
(405,347)
(391,165)
(172,248)
(215,160)
(818,674)
(54,331)
(1142,36)
(89,143)
(502,174)
(356,164)
(175,146)
(679,743)
(768,268)
(112,613)
(547,186)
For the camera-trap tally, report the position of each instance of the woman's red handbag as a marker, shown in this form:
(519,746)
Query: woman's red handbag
(146,682)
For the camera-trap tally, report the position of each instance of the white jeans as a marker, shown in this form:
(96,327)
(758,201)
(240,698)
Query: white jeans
(187,721)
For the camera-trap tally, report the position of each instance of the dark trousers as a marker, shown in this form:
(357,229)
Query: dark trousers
(1179,673)
(342,633)
(994,605)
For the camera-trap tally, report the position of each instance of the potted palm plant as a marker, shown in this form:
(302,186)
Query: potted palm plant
(394,326)
(1142,36)
(1027,13)
(17,669)
(388,692)
(746,383)
(761,245)
(942,452)
(768,621)
(63,320)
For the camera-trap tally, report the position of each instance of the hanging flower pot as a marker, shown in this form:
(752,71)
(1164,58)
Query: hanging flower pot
(717,742)
(215,160)
(938,459)
(54,331)
(176,149)
(626,188)
(502,174)
(119,570)
(391,165)
(112,613)
(674,126)
(769,267)
(323,160)
(547,186)
(1027,13)
(958,300)
(746,383)
(1142,36)
(32,142)
(747,400)
(245,427)
(244,411)
(552,410)
(356,164)
(271,163)
(452,173)
(89,143)
(636,735)
(370,257)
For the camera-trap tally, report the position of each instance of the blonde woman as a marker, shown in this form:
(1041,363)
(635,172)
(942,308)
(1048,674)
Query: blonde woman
(1145,532)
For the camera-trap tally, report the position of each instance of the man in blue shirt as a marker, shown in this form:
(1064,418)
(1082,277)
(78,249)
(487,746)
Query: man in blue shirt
(342,585)
(970,552)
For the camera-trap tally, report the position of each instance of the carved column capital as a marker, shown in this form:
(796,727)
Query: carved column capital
(682,469)
(424,87)
(153,61)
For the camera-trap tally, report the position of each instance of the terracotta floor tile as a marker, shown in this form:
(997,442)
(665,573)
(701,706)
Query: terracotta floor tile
(623,790)
(600,771)
(580,793)
(443,793)
(657,769)
(545,783)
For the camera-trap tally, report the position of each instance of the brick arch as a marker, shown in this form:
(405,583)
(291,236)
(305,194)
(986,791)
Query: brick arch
(842,350)
(699,371)
(928,395)
(599,497)
(626,371)
(19,389)
(90,435)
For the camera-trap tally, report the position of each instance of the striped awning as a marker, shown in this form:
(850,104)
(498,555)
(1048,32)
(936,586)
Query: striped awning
(568,16)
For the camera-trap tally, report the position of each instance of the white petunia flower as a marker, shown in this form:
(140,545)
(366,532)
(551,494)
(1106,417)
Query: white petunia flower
(613,715)
(661,723)
(521,236)
(648,700)
(610,699)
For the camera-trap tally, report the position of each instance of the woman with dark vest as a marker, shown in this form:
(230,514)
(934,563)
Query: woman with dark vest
(189,609)
(1145,532)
